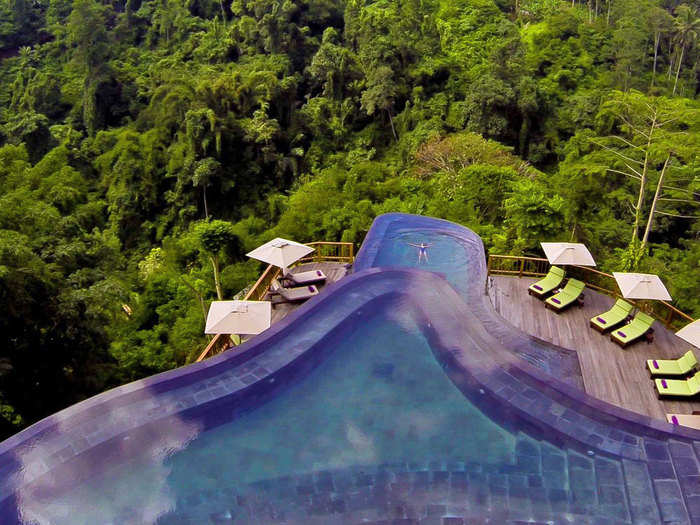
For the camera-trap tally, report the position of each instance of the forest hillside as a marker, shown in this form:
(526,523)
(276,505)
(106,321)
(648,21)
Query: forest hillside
(146,145)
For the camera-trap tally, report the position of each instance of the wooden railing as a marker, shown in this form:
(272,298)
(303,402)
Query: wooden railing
(325,252)
(330,252)
(595,279)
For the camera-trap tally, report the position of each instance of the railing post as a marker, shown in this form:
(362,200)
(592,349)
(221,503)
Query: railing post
(669,318)
(488,265)
(522,265)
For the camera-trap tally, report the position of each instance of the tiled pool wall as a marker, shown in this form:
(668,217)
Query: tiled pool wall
(627,467)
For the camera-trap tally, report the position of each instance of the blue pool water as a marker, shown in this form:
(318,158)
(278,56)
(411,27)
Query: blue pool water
(379,397)
(445,255)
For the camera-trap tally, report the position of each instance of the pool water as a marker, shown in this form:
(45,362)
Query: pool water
(445,255)
(380,397)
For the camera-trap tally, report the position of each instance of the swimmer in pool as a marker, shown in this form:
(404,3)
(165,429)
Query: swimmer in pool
(422,250)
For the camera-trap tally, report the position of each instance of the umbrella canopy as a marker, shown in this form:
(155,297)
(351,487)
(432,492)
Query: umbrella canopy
(691,333)
(238,317)
(641,286)
(567,253)
(280,252)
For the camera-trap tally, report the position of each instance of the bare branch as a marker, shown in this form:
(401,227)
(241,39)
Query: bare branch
(679,200)
(634,170)
(624,173)
(695,193)
(626,141)
(617,153)
(678,216)
(645,135)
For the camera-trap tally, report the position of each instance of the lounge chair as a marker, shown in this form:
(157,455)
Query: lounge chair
(673,367)
(638,327)
(292,295)
(303,278)
(678,387)
(613,317)
(545,286)
(570,294)
(685,420)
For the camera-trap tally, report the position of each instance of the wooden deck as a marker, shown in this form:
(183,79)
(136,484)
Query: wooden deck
(609,373)
(334,272)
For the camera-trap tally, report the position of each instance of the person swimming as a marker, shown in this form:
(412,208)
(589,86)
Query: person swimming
(422,250)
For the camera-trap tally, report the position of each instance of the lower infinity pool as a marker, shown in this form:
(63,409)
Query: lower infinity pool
(380,397)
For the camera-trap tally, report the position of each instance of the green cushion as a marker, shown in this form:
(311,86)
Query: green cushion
(694,383)
(555,270)
(673,367)
(688,361)
(679,387)
(553,279)
(619,311)
(630,331)
(643,319)
(674,387)
(567,295)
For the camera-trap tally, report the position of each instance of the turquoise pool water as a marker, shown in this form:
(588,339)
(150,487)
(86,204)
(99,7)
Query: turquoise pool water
(445,255)
(380,397)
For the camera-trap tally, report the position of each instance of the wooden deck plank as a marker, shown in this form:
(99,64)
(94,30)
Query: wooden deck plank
(616,375)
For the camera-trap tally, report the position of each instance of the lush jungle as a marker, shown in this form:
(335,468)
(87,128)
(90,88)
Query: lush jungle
(146,145)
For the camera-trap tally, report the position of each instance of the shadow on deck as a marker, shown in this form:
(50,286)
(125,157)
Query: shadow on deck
(609,373)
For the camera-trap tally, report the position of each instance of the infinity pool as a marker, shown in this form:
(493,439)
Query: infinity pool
(360,423)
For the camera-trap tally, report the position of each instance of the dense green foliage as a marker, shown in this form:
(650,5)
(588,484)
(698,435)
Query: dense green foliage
(146,145)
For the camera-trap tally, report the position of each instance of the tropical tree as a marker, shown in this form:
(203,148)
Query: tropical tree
(646,141)
(217,238)
(660,22)
(87,33)
(687,26)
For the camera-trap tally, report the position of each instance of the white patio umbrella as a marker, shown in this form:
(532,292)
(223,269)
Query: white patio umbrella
(563,253)
(691,333)
(641,286)
(238,317)
(280,252)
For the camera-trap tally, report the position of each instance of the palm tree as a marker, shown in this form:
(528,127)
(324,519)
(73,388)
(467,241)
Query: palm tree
(687,28)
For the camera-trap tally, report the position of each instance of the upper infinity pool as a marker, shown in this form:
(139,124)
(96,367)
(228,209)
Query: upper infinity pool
(354,409)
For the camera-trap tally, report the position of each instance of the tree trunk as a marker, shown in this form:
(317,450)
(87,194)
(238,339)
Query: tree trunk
(206,209)
(607,17)
(217,278)
(642,184)
(653,204)
(199,296)
(678,71)
(523,136)
(657,38)
(391,121)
